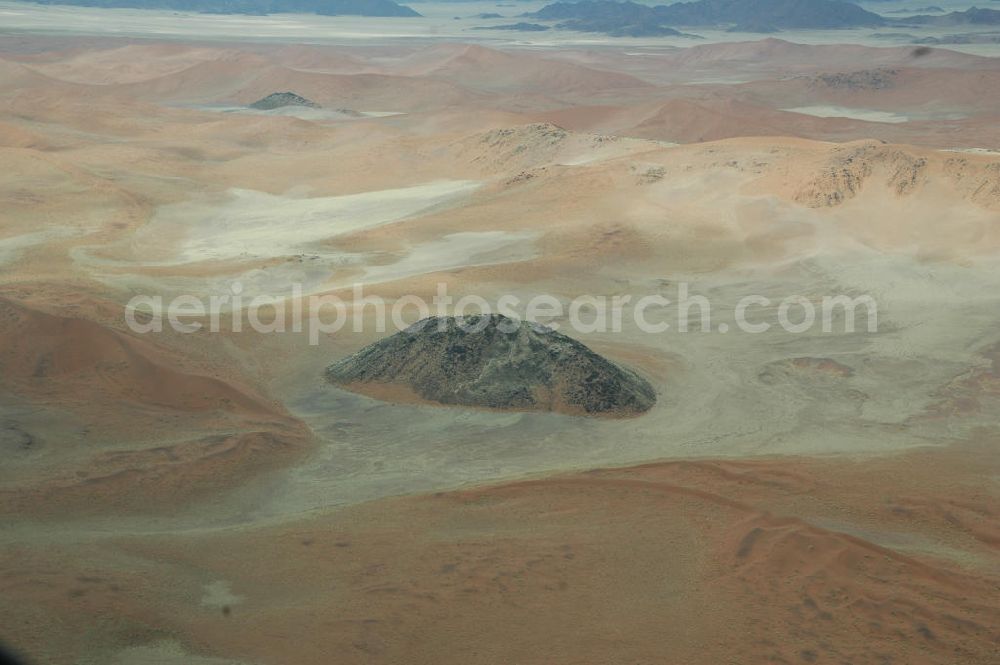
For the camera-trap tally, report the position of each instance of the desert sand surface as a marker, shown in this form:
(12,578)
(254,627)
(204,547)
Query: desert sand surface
(207,497)
(765,560)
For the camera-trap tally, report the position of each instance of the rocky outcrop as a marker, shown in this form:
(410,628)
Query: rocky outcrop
(850,167)
(975,176)
(533,148)
(495,362)
(978,182)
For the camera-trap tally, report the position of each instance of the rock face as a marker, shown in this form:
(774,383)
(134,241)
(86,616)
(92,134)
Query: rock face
(496,362)
(277,100)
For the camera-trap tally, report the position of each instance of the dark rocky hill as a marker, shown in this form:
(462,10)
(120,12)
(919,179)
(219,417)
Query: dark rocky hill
(277,100)
(495,362)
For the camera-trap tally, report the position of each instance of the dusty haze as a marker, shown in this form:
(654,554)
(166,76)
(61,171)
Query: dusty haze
(208,498)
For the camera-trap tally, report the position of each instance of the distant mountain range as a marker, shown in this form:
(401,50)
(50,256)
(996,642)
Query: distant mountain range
(973,16)
(761,16)
(819,14)
(968,38)
(613,17)
(916,10)
(258,7)
(518,27)
(620,19)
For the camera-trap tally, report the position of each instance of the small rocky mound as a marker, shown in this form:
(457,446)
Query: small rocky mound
(495,362)
(277,100)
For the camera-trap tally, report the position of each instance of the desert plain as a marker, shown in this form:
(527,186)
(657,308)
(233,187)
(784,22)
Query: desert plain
(208,498)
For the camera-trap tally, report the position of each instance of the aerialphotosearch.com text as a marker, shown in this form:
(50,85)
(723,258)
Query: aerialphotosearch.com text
(326,314)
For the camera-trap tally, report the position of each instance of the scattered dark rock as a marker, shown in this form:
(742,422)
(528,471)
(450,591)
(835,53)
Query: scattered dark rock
(868,79)
(495,362)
